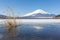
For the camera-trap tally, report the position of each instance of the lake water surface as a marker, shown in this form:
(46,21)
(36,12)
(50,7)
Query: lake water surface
(33,29)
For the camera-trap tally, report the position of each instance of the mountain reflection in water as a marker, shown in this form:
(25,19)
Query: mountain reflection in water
(34,32)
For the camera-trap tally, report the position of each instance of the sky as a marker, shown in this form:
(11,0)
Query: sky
(22,7)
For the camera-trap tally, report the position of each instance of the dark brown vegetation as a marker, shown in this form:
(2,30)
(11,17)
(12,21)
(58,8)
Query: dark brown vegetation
(57,17)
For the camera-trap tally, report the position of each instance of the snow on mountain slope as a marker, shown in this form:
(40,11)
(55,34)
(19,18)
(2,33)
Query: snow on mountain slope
(39,14)
(39,11)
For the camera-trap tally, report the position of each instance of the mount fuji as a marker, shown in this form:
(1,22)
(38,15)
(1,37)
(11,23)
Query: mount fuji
(39,14)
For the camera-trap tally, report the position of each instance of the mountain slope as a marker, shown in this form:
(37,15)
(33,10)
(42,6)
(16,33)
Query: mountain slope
(6,17)
(40,11)
(3,17)
(38,14)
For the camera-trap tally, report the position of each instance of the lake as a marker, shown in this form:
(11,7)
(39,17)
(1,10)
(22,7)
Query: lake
(33,29)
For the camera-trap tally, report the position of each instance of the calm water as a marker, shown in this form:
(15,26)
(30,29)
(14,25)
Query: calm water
(36,29)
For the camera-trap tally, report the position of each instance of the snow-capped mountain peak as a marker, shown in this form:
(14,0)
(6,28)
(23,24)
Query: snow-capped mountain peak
(36,12)
(40,11)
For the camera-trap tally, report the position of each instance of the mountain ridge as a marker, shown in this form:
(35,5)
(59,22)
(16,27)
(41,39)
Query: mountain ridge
(39,13)
(36,11)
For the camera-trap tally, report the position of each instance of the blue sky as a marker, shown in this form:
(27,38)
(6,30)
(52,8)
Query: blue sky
(22,7)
